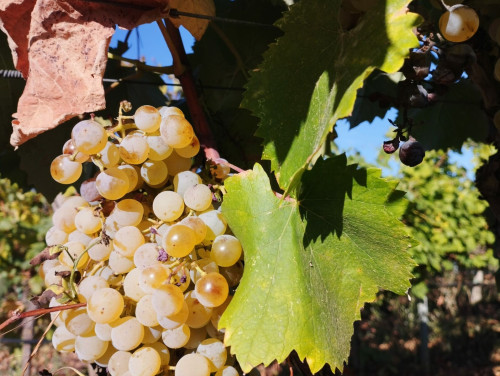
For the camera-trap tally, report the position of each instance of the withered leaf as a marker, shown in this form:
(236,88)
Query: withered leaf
(44,255)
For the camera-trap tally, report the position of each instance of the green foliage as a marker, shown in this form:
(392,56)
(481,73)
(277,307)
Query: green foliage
(446,216)
(312,264)
(310,76)
(24,219)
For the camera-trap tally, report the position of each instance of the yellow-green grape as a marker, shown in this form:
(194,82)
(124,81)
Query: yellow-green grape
(103,331)
(179,241)
(197,335)
(185,180)
(218,311)
(198,197)
(192,365)
(144,362)
(128,212)
(104,359)
(154,172)
(131,287)
(146,255)
(206,265)
(168,206)
(78,236)
(126,333)
(109,156)
(89,137)
(176,131)
(176,320)
(133,175)
(78,156)
(215,351)
(227,371)
(78,322)
(167,111)
(158,149)
(162,350)
(145,313)
(55,236)
(176,338)
(216,224)
(75,251)
(197,225)
(52,276)
(89,285)
(151,335)
(191,150)
(89,347)
(226,250)
(105,305)
(176,163)
(167,300)
(100,251)
(64,170)
(127,239)
(63,340)
(212,290)
(118,363)
(119,263)
(112,183)
(64,217)
(459,23)
(152,277)
(134,148)
(199,315)
(147,119)
(88,221)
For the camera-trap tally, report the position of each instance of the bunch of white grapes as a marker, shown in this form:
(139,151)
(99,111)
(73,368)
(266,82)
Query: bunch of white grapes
(154,265)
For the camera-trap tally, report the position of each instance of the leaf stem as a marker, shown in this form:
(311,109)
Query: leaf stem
(183,73)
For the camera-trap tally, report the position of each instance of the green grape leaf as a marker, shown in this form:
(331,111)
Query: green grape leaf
(311,264)
(455,117)
(310,76)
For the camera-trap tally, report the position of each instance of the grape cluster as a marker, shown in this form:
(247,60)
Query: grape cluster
(154,265)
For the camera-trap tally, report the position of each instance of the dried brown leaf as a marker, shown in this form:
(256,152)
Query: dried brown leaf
(195,26)
(44,256)
(60,46)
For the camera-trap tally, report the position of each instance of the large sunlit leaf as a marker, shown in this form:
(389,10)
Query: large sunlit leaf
(310,76)
(311,264)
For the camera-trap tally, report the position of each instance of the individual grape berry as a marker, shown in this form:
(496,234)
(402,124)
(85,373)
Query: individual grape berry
(391,146)
(458,23)
(147,118)
(89,137)
(64,170)
(411,153)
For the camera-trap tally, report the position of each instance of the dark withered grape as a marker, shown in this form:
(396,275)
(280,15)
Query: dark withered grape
(391,146)
(411,153)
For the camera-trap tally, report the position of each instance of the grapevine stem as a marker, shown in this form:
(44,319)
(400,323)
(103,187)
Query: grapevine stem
(35,350)
(447,7)
(16,315)
(183,73)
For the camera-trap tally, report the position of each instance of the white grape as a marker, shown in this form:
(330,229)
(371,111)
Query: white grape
(147,119)
(89,137)
(192,365)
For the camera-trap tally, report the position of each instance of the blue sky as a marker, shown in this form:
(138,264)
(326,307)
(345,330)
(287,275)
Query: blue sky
(367,138)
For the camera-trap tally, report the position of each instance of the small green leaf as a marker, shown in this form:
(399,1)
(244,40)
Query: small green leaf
(310,265)
(310,76)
